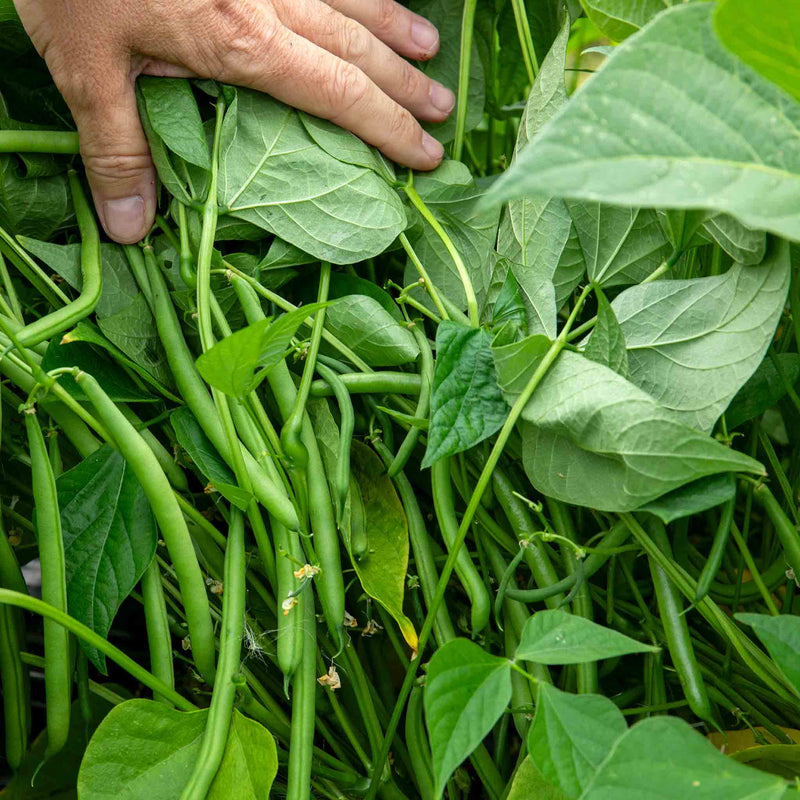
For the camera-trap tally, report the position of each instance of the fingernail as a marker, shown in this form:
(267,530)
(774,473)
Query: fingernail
(124,218)
(424,35)
(433,148)
(442,98)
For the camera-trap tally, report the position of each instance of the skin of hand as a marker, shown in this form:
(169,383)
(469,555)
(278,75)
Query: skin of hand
(337,59)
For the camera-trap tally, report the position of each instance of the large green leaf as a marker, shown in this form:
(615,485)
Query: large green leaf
(537,232)
(529,783)
(192,439)
(382,568)
(664,754)
(110,539)
(742,244)
(764,389)
(597,440)
(646,131)
(606,344)
(452,196)
(273,174)
(174,116)
(144,749)
(32,206)
(618,19)
(467,405)
(553,636)
(466,692)
(371,332)
(693,498)
(781,635)
(692,344)
(620,245)
(571,735)
(237,364)
(764,34)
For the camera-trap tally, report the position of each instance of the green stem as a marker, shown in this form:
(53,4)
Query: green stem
(466,521)
(419,204)
(36,606)
(464,64)
(423,273)
(63,143)
(525,39)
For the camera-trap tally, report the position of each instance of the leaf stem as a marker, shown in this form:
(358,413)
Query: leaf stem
(55,142)
(466,521)
(423,273)
(464,65)
(525,39)
(469,291)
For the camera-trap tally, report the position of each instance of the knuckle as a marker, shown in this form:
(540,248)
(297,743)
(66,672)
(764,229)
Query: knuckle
(410,81)
(386,21)
(399,126)
(355,41)
(237,34)
(347,88)
(116,166)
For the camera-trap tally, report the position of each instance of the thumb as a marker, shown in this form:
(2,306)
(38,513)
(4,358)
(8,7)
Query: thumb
(116,157)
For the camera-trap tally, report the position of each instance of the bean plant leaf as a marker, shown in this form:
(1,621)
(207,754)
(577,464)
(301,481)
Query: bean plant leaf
(692,344)
(763,35)
(467,405)
(451,195)
(443,67)
(110,539)
(618,19)
(145,749)
(371,332)
(693,498)
(645,132)
(558,637)
(274,175)
(537,231)
(192,439)
(571,735)
(766,386)
(37,206)
(599,441)
(606,344)
(528,782)
(237,364)
(467,691)
(175,118)
(665,752)
(781,636)
(620,245)
(382,569)
(116,383)
(742,244)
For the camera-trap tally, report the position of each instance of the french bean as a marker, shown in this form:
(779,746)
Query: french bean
(159,639)
(718,546)
(170,520)
(58,668)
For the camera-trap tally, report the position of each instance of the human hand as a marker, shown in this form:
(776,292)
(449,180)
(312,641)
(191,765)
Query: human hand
(337,59)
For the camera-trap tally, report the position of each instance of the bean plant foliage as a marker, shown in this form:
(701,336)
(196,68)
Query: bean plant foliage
(349,481)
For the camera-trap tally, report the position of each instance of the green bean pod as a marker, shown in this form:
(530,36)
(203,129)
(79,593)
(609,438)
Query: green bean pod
(170,521)
(785,529)
(423,404)
(288,552)
(468,575)
(717,551)
(15,694)
(220,712)
(384,382)
(91,269)
(58,665)
(159,639)
(341,479)
(304,683)
(676,630)
(417,743)
(194,392)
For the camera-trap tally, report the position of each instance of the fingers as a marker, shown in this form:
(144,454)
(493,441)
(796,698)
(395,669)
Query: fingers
(115,153)
(304,75)
(405,32)
(351,41)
